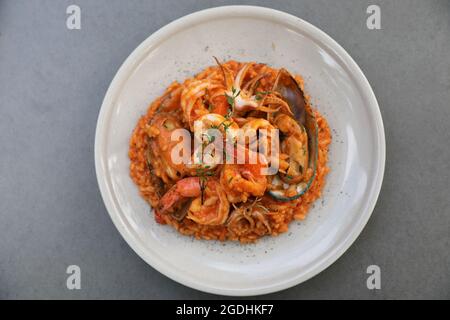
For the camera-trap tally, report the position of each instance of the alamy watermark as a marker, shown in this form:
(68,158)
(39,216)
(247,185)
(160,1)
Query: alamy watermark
(374,280)
(373,21)
(73,21)
(73,281)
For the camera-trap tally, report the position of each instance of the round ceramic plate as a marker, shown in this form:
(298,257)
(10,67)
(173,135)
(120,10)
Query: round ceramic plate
(338,89)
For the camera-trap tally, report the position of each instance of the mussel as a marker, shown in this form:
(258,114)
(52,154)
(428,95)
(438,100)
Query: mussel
(292,187)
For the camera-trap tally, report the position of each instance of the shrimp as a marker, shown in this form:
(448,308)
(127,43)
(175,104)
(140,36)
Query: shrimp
(243,180)
(214,208)
(204,202)
(262,128)
(257,123)
(211,133)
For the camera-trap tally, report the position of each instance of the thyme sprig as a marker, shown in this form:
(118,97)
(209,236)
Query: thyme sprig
(203,173)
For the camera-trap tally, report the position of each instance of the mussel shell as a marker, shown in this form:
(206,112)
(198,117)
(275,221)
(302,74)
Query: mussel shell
(289,89)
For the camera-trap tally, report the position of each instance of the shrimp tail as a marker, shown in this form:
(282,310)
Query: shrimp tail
(185,188)
(168,200)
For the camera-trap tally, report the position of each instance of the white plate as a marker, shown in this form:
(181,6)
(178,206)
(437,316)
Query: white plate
(338,89)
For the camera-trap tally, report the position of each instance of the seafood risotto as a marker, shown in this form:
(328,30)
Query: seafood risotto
(232,200)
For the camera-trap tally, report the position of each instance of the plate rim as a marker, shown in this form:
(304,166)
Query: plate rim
(124,73)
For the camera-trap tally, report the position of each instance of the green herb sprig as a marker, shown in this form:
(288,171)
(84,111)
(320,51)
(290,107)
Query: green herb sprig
(259,95)
(203,173)
(231,99)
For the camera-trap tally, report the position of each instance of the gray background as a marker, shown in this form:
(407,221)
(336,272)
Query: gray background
(52,82)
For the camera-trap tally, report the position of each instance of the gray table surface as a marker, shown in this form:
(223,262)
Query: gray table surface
(52,82)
